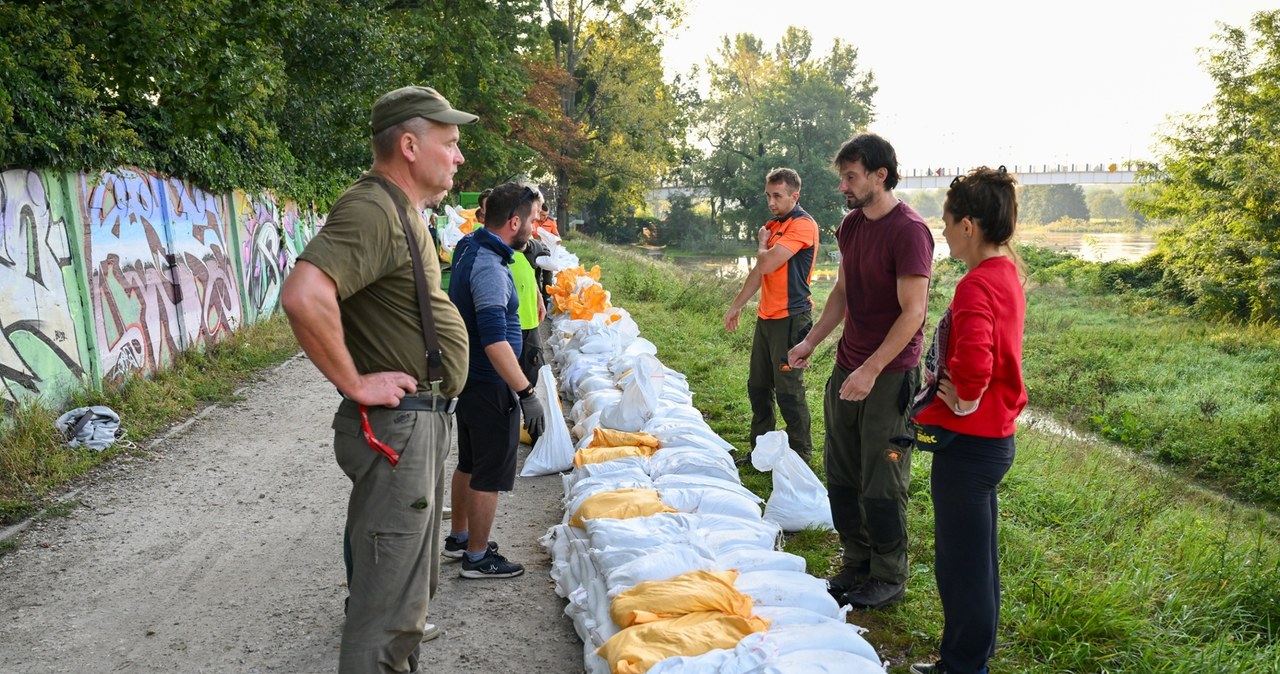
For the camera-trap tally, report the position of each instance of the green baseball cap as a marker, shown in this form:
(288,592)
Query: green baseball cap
(408,102)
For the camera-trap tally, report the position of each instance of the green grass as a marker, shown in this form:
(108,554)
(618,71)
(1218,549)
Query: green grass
(1109,564)
(34,460)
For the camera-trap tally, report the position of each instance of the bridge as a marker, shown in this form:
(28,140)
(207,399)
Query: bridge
(1045,174)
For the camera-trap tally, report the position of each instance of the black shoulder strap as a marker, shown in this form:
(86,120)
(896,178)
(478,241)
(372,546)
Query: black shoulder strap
(435,361)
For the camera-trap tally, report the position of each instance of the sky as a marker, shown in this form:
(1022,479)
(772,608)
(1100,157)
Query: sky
(1014,83)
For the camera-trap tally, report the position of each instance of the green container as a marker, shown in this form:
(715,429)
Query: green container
(469,199)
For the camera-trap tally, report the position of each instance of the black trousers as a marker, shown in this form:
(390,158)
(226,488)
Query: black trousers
(963,485)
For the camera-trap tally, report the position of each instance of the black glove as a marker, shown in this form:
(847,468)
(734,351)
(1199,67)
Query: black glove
(535,420)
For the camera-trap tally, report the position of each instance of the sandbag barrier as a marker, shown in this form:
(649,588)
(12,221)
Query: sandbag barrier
(664,557)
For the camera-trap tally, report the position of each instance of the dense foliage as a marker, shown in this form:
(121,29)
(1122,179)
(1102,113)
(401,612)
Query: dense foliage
(1219,179)
(788,106)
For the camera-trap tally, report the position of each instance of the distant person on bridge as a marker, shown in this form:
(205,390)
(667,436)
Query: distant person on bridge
(881,295)
(967,412)
(352,301)
(787,250)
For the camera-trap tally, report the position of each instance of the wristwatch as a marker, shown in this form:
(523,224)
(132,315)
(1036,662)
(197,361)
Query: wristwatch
(525,393)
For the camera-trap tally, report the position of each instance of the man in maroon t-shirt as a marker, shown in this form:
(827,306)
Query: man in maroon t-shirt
(881,295)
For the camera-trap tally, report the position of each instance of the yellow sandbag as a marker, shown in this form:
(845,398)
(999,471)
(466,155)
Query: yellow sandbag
(607,437)
(601,454)
(525,438)
(691,592)
(620,504)
(636,649)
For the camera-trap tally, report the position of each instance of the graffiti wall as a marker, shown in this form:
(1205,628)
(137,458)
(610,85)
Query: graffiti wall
(43,349)
(107,275)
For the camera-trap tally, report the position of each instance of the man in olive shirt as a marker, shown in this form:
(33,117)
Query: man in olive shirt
(352,303)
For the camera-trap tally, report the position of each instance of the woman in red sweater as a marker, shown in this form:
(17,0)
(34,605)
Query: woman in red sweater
(966,413)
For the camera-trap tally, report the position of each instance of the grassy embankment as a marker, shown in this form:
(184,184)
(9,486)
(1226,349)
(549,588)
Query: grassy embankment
(35,462)
(1108,563)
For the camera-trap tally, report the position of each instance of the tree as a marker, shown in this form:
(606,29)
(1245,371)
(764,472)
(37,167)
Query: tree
(1106,204)
(616,97)
(786,107)
(1050,203)
(1219,179)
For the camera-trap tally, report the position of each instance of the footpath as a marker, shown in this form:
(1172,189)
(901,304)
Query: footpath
(221,551)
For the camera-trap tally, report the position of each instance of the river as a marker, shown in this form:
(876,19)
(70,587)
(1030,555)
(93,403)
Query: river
(1095,247)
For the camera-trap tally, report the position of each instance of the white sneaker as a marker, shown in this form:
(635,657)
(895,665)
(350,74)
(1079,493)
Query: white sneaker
(446,513)
(431,631)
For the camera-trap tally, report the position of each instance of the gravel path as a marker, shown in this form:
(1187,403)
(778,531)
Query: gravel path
(221,551)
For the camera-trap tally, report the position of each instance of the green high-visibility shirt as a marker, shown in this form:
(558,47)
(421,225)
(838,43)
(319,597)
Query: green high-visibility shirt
(526,290)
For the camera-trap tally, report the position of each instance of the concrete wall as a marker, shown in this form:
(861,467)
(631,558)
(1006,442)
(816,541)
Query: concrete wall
(111,274)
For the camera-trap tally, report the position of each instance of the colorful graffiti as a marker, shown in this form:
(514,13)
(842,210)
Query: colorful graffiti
(41,347)
(160,274)
(110,274)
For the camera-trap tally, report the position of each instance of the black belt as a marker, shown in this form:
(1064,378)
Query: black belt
(427,403)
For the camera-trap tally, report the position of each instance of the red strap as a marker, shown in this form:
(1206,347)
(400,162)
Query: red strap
(378,446)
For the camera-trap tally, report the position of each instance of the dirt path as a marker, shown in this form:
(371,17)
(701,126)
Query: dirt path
(221,552)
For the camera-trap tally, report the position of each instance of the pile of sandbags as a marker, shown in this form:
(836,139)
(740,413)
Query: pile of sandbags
(663,555)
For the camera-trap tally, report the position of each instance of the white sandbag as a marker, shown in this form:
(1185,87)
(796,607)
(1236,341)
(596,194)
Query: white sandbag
(780,616)
(662,563)
(788,588)
(655,529)
(595,382)
(687,481)
(584,429)
(633,475)
(602,483)
(553,452)
(716,661)
(830,635)
(820,662)
(722,533)
(639,398)
(600,399)
(686,432)
(798,500)
(686,460)
(640,345)
(636,466)
(717,501)
(745,560)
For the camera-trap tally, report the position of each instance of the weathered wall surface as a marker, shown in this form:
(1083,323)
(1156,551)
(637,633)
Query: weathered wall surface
(107,275)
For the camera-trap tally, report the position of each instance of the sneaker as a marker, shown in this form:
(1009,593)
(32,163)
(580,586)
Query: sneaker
(875,593)
(927,668)
(431,632)
(453,549)
(849,578)
(492,565)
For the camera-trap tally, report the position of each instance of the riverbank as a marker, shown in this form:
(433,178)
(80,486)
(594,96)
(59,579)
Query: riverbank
(1107,564)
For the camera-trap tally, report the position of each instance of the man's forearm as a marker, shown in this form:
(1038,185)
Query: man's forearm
(749,289)
(505,362)
(832,315)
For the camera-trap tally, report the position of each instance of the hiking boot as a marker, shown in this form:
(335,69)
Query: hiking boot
(848,579)
(453,549)
(431,632)
(492,565)
(875,593)
(926,668)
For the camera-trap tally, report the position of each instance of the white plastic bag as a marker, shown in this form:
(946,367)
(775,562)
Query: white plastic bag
(553,452)
(798,500)
(639,398)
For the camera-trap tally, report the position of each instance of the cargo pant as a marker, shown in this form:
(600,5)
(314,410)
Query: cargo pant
(868,462)
(393,529)
(770,374)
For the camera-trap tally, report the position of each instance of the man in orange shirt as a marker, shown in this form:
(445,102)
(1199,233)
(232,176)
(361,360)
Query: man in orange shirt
(787,252)
(544,221)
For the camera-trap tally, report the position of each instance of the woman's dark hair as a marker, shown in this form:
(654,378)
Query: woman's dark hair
(988,197)
(874,152)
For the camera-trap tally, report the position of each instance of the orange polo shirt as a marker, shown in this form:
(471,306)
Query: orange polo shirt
(548,224)
(785,291)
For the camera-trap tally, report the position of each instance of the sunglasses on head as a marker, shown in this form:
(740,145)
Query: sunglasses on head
(526,196)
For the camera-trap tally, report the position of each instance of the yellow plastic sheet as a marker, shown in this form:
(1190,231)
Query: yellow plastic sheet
(601,454)
(635,649)
(620,504)
(693,592)
(607,437)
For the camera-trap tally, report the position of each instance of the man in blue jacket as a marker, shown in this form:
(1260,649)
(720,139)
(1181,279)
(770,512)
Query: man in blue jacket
(497,391)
